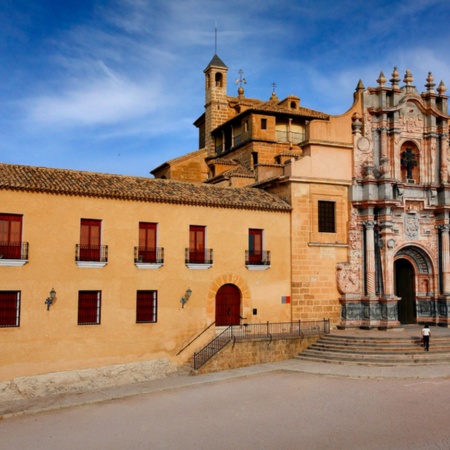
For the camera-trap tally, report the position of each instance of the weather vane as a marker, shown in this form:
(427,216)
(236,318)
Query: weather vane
(274,88)
(241,80)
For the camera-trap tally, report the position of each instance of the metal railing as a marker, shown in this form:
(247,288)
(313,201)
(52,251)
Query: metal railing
(97,253)
(196,337)
(14,250)
(149,255)
(266,330)
(261,258)
(198,257)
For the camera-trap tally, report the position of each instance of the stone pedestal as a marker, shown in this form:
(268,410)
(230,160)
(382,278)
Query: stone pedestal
(351,311)
(389,312)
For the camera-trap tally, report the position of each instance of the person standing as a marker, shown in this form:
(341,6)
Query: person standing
(426,333)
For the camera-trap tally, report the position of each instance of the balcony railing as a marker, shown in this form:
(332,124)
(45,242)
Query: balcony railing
(14,250)
(93,253)
(149,255)
(198,257)
(257,258)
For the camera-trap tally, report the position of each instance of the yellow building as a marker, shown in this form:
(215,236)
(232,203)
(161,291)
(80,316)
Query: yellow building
(121,253)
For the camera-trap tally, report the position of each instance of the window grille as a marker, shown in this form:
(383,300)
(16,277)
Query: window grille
(146,306)
(327,220)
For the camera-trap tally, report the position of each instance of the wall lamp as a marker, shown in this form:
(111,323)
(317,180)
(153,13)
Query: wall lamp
(50,298)
(186,297)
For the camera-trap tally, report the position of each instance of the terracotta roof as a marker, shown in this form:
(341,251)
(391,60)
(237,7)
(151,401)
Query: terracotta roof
(90,184)
(238,172)
(272,106)
(178,159)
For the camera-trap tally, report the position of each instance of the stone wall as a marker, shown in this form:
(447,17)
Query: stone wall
(75,381)
(258,351)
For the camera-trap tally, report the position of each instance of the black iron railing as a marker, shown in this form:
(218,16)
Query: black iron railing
(266,330)
(257,258)
(14,250)
(149,255)
(204,256)
(97,253)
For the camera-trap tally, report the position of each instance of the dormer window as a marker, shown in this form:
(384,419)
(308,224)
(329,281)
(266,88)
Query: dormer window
(293,105)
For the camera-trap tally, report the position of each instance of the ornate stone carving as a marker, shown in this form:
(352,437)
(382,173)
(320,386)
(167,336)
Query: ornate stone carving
(347,278)
(411,225)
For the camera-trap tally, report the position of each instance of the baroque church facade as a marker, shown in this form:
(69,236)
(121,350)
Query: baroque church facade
(282,214)
(380,171)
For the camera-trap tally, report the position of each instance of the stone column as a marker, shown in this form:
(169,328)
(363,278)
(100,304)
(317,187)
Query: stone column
(370,259)
(445,249)
(444,150)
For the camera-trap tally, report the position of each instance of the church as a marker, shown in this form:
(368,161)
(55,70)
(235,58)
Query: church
(282,214)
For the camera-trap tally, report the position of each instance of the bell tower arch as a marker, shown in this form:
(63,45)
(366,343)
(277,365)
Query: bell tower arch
(216,105)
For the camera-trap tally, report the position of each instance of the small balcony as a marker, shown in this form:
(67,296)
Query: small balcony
(92,256)
(13,253)
(257,260)
(148,258)
(199,259)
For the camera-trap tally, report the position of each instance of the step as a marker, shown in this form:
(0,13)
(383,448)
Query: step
(377,350)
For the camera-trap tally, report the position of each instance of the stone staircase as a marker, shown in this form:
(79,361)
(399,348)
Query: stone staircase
(377,350)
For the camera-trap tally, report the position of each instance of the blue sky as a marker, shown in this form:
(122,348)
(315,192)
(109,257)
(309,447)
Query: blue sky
(115,85)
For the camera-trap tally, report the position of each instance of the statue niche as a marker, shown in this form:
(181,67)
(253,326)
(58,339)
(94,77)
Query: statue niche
(410,163)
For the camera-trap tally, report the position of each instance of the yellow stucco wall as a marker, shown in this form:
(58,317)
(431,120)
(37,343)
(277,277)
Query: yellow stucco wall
(49,341)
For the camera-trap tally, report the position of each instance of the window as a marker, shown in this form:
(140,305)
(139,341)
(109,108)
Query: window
(147,242)
(89,307)
(327,222)
(255,246)
(197,244)
(90,240)
(263,124)
(10,236)
(9,309)
(146,304)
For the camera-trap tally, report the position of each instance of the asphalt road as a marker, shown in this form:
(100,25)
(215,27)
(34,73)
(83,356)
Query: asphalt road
(265,411)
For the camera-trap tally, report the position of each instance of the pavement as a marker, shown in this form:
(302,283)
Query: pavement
(181,379)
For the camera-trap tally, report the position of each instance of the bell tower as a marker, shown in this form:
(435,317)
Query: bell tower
(216,105)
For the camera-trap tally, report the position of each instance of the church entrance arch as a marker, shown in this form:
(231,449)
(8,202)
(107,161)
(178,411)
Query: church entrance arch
(404,288)
(412,275)
(228,305)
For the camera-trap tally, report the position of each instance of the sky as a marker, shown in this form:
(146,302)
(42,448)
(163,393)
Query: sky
(115,86)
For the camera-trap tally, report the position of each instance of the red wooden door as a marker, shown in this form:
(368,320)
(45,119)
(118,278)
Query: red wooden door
(196,244)
(90,240)
(228,305)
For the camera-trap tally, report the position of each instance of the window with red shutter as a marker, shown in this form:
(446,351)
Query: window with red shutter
(89,307)
(10,236)
(90,240)
(146,306)
(147,242)
(197,244)
(9,309)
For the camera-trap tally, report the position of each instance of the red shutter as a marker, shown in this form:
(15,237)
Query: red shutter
(255,246)
(90,240)
(147,242)
(197,244)
(10,236)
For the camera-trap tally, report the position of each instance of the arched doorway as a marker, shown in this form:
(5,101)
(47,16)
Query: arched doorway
(404,288)
(228,305)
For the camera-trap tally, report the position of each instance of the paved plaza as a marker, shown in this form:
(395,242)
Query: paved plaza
(291,404)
